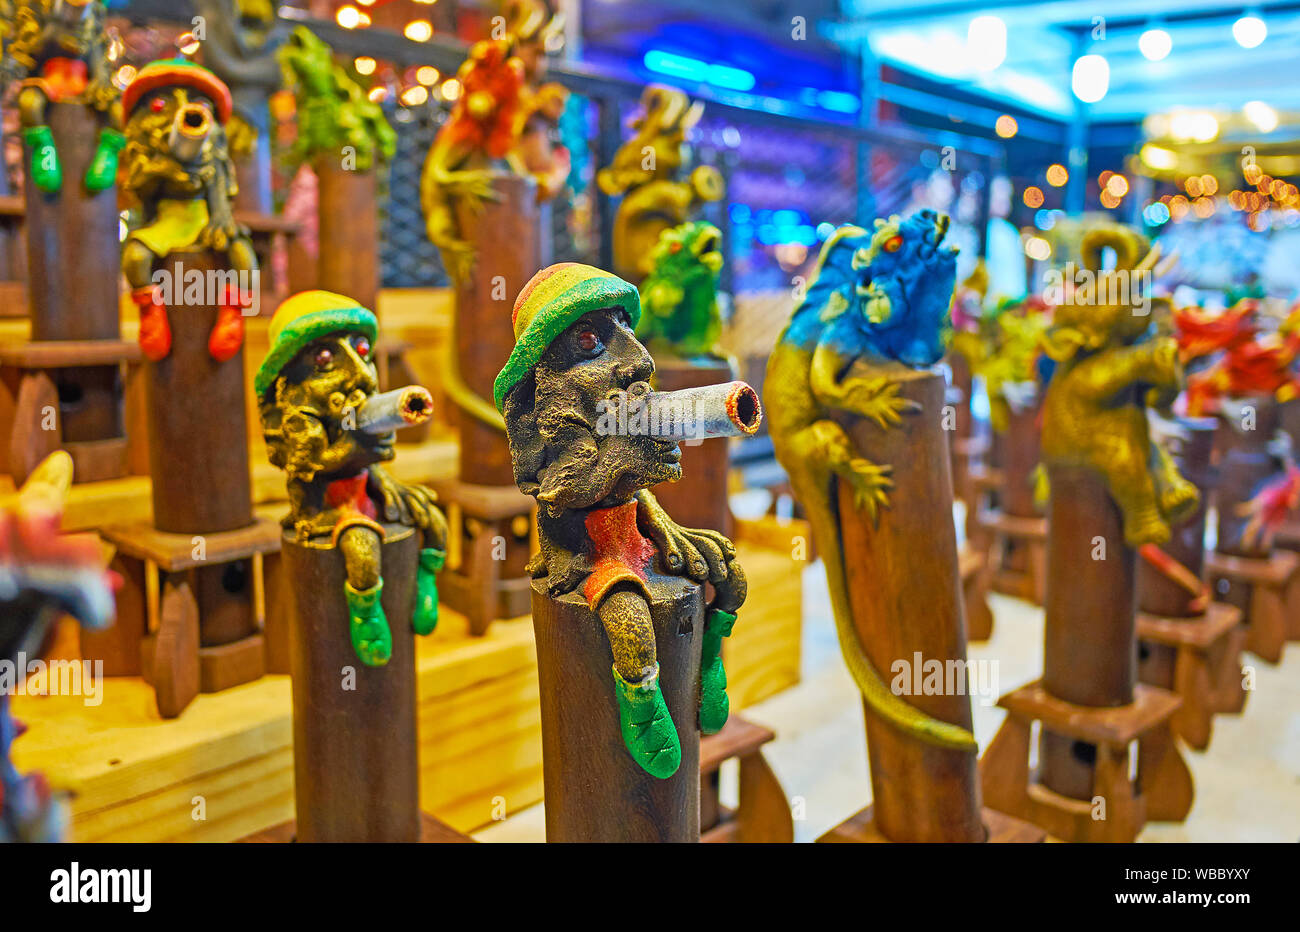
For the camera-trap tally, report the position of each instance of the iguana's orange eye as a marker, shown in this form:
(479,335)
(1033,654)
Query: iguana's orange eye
(893,244)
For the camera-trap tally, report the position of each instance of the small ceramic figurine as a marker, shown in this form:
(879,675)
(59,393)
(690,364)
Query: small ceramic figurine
(336,118)
(58,49)
(480,134)
(1110,366)
(178,167)
(533,30)
(577,363)
(328,429)
(43,575)
(679,298)
(882,296)
(645,171)
(243,37)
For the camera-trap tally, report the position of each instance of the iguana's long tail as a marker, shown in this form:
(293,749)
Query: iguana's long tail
(818,505)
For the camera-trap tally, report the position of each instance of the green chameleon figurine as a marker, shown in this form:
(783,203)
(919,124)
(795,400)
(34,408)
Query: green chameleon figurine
(334,112)
(679,298)
(883,295)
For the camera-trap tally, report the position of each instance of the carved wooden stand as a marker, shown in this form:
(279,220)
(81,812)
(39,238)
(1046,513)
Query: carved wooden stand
(1016,526)
(595,792)
(1088,704)
(975,583)
(762,815)
(203,521)
(348,234)
(75,366)
(700,498)
(1182,646)
(488,516)
(356,773)
(962,435)
(1261,581)
(904,591)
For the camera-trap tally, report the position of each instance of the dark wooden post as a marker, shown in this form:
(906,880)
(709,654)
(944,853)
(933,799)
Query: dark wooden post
(905,593)
(1157,593)
(348,233)
(595,791)
(1245,464)
(198,428)
(508,249)
(72,273)
(700,498)
(483,504)
(1090,647)
(356,773)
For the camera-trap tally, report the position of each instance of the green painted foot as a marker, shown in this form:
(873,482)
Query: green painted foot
(103,166)
(648,729)
(425,618)
(714,704)
(47,173)
(371,639)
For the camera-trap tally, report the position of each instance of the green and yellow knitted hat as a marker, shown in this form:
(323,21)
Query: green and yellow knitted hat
(301,319)
(552,300)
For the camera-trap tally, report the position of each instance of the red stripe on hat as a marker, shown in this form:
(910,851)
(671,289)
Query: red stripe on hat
(544,275)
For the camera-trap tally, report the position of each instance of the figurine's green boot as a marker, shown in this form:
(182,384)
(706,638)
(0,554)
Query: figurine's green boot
(103,166)
(714,704)
(47,173)
(425,618)
(648,729)
(371,639)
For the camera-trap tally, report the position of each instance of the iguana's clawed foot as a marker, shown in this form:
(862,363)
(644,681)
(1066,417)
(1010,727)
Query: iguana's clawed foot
(1178,499)
(878,399)
(870,484)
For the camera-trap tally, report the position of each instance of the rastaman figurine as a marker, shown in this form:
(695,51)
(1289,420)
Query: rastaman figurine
(575,361)
(328,429)
(58,49)
(645,171)
(178,167)
(884,296)
(679,298)
(1110,368)
(43,575)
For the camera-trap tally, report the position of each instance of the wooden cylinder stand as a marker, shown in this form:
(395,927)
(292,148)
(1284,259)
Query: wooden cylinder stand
(348,233)
(508,249)
(490,519)
(595,791)
(699,498)
(905,596)
(1016,528)
(198,427)
(75,362)
(356,776)
(1259,579)
(1089,705)
(1185,645)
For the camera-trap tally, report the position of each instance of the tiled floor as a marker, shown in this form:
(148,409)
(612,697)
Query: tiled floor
(1247,782)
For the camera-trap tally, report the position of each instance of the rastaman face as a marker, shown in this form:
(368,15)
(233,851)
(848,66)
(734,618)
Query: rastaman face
(591,362)
(333,376)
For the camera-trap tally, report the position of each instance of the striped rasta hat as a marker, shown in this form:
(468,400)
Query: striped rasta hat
(178,72)
(552,300)
(301,319)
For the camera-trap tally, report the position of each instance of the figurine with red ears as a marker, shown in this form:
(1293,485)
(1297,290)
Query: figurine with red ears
(43,575)
(177,166)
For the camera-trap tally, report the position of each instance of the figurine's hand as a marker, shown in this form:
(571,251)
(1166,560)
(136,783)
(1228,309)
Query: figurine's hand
(700,554)
(414,506)
(877,398)
(220,232)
